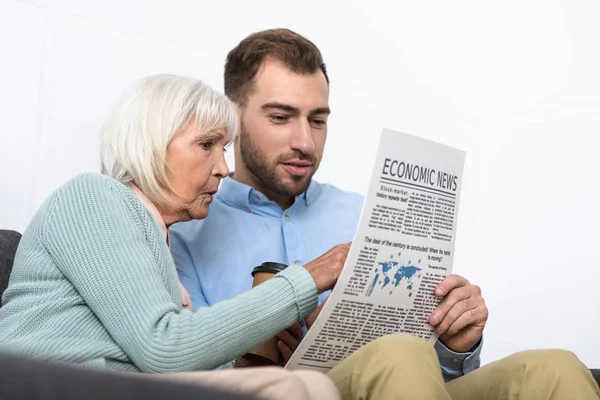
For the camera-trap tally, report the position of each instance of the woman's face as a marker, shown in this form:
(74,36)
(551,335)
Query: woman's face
(196,165)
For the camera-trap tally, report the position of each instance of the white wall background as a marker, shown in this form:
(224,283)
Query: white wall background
(514,83)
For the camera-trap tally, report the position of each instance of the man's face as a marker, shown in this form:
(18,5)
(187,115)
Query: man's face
(283,130)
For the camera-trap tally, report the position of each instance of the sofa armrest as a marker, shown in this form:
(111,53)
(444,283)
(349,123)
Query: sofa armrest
(596,374)
(36,380)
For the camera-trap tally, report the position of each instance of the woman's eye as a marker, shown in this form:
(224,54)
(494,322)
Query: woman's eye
(207,145)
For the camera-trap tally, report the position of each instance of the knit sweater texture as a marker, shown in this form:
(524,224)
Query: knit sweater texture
(94,283)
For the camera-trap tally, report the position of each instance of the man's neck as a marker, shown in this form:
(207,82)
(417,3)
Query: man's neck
(284,202)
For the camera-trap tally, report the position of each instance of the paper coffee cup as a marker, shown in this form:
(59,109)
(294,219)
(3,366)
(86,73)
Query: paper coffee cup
(262,273)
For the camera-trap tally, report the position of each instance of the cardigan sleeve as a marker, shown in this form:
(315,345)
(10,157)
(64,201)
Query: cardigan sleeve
(97,243)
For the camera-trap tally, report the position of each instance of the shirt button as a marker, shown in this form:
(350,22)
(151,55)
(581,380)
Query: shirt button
(455,361)
(287,218)
(256,198)
(297,262)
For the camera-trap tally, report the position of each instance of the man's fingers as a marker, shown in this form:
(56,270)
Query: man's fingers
(186,302)
(455,296)
(469,318)
(454,314)
(286,352)
(312,317)
(287,339)
(450,283)
(296,331)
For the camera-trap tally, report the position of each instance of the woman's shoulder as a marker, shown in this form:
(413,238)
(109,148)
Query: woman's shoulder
(88,192)
(86,198)
(92,186)
(90,180)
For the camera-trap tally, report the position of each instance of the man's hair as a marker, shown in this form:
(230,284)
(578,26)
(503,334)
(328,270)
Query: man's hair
(144,120)
(295,51)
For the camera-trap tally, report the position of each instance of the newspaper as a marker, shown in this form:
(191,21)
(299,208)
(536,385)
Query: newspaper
(403,247)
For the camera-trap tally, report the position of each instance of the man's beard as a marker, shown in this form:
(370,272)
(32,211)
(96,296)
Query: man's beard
(266,175)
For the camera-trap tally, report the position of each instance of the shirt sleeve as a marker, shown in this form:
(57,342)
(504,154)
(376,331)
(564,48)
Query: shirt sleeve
(186,269)
(94,239)
(455,365)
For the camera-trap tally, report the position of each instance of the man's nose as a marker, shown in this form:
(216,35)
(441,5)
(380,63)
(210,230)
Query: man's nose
(302,139)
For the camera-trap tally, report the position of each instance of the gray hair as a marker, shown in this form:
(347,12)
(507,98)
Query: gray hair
(144,120)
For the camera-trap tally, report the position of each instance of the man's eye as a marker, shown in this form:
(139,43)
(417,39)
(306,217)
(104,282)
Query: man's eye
(319,122)
(278,119)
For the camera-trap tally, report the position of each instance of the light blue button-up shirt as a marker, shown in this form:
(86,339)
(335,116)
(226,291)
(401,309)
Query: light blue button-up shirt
(216,255)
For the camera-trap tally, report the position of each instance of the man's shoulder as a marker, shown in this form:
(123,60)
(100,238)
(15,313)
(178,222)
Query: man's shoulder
(332,193)
(192,231)
(222,219)
(185,230)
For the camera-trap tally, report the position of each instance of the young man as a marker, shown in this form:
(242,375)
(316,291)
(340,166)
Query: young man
(270,209)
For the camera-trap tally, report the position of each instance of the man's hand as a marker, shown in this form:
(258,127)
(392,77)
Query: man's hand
(288,342)
(312,317)
(290,338)
(186,302)
(460,317)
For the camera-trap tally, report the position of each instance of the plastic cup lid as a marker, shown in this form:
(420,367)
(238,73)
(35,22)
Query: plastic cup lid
(269,267)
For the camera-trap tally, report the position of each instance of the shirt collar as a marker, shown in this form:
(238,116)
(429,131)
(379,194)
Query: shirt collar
(242,196)
(151,209)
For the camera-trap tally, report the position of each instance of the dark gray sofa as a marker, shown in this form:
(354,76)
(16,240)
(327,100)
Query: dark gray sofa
(29,379)
(9,241)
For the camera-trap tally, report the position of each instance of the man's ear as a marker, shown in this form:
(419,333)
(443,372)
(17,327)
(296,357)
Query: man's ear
(238,109)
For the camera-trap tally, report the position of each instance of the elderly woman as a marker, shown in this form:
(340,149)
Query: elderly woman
(94,282)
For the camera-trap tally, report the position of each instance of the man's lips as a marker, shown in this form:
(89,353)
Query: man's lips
(300,163)
(297,167)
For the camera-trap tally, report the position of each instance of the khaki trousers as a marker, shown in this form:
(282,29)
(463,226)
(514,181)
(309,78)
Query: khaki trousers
(404,367)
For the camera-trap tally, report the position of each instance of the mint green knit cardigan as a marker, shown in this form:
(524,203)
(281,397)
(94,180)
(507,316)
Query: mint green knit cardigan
(94,283)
